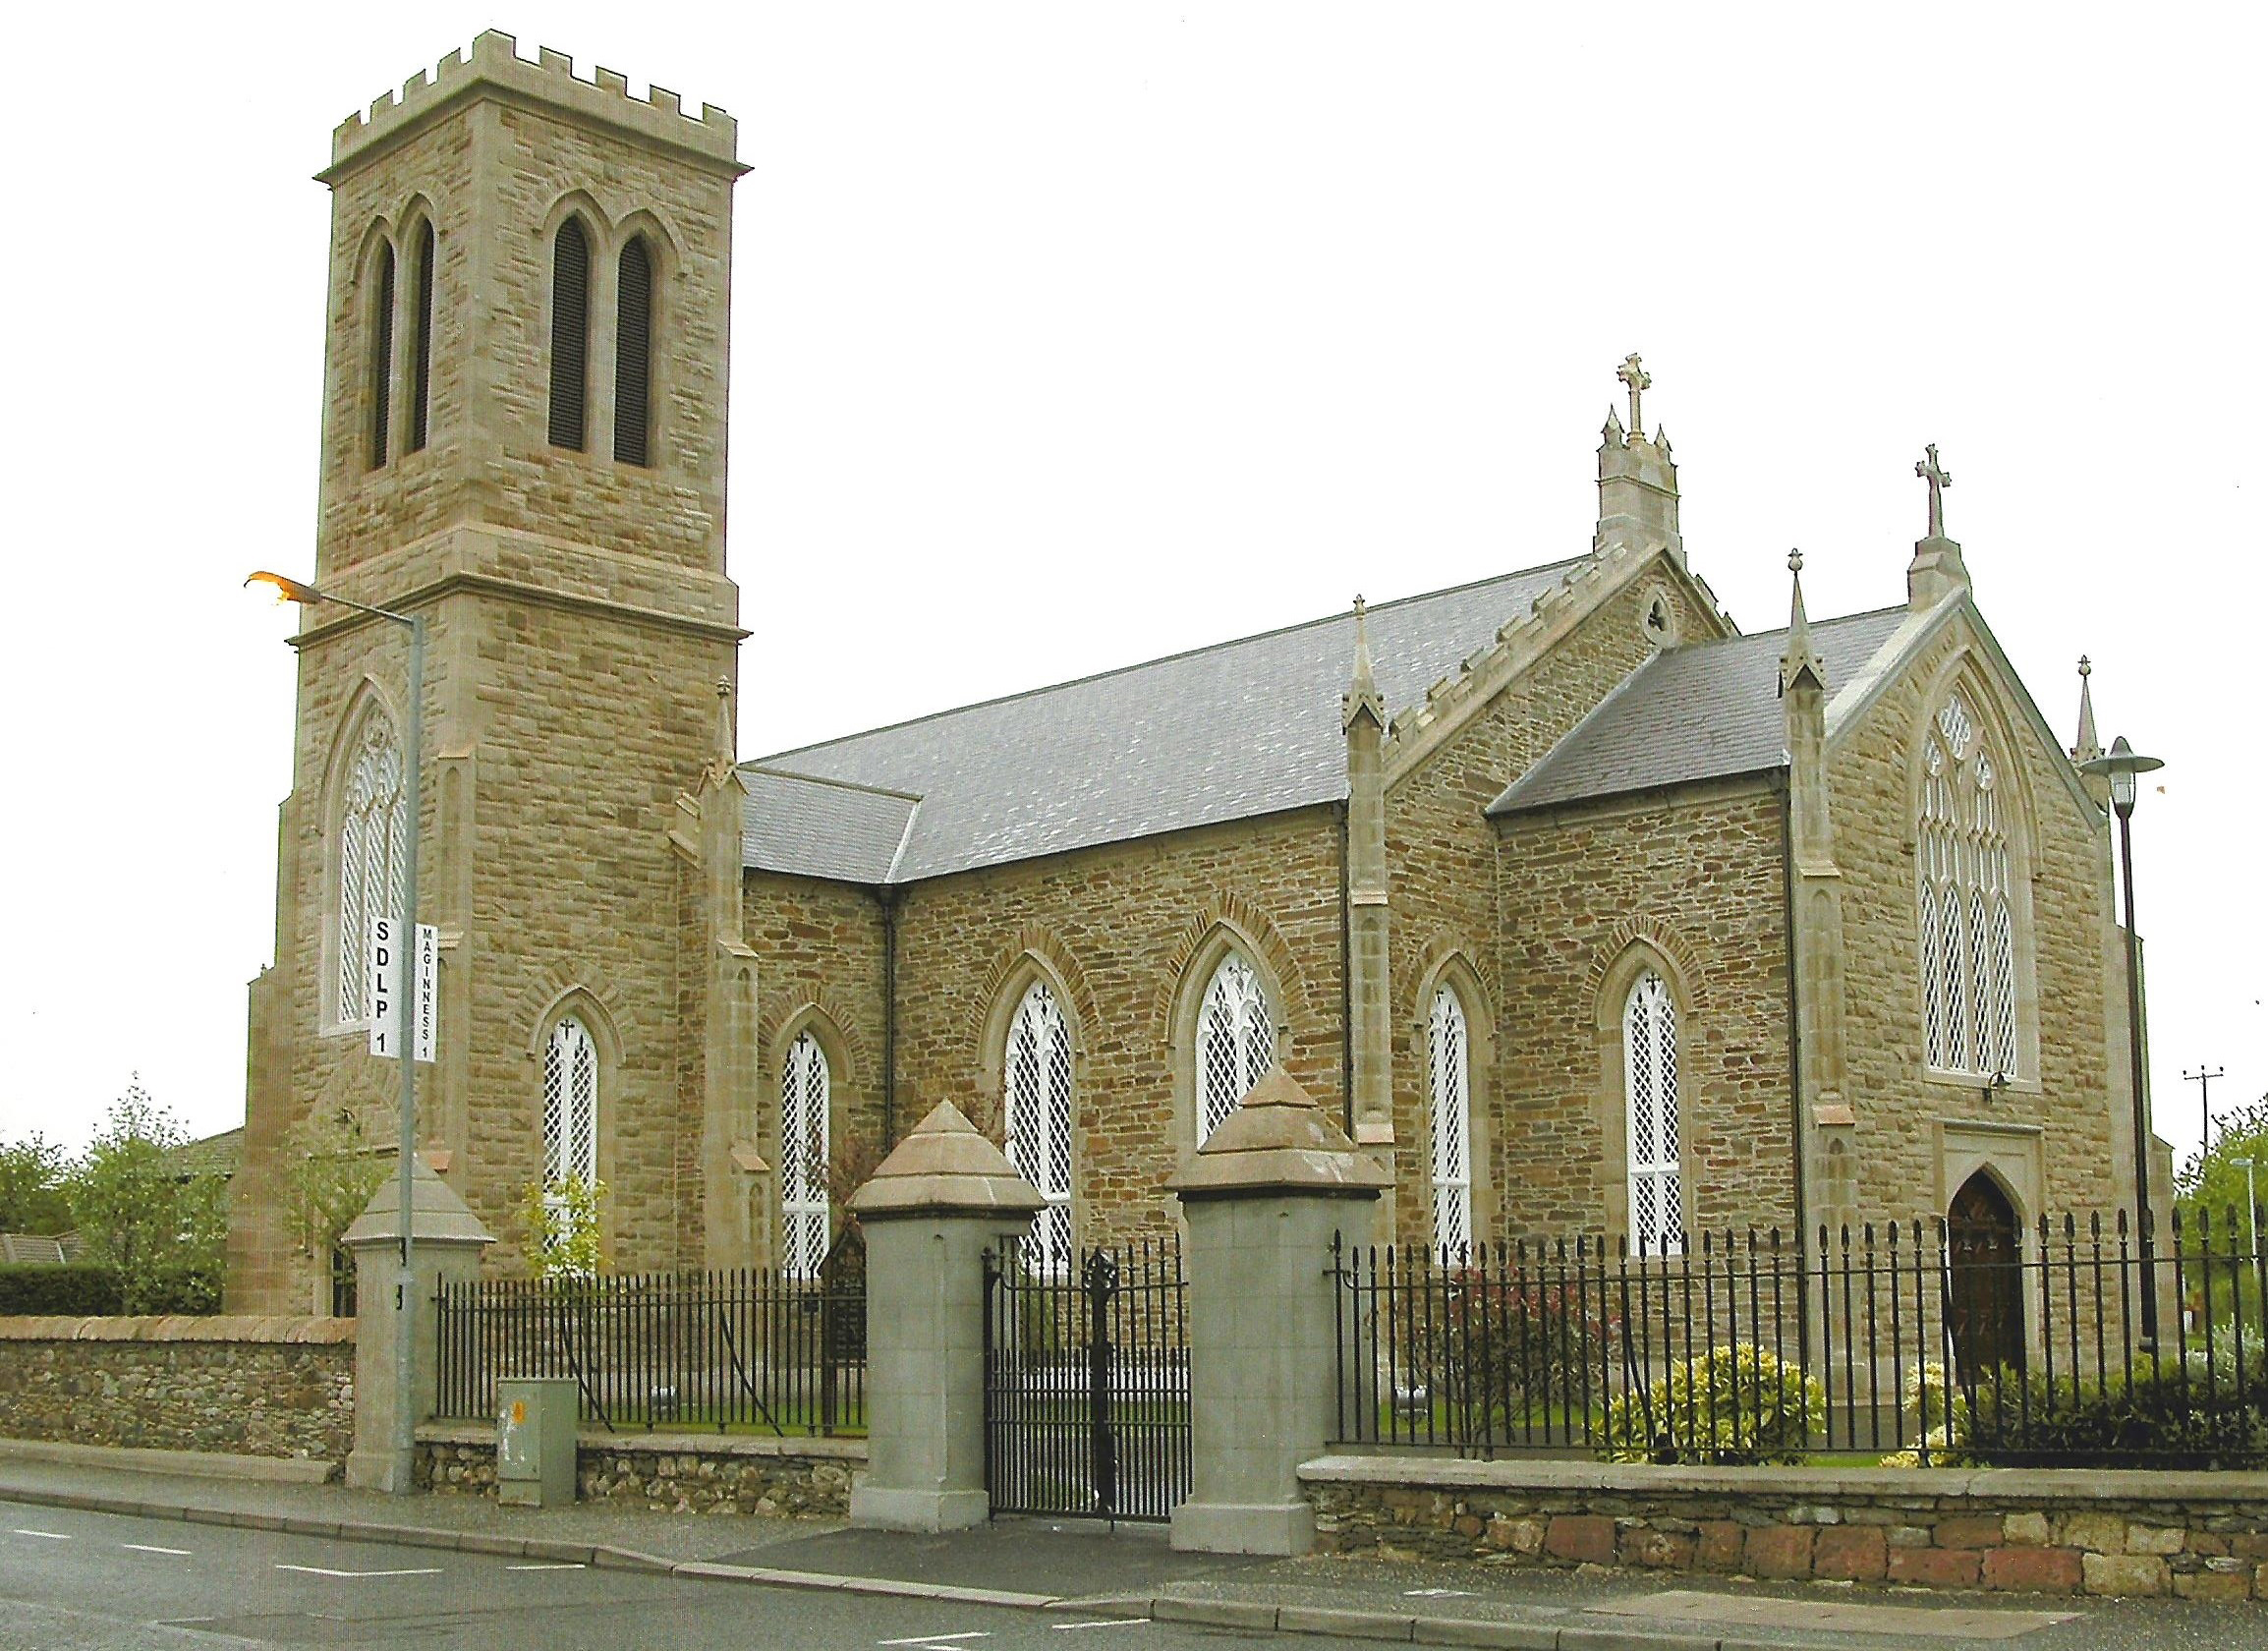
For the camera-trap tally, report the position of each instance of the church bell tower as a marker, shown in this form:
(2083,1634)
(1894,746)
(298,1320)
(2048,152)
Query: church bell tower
(524,443)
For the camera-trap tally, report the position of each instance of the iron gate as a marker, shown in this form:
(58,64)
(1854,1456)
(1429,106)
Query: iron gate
(1087,1383)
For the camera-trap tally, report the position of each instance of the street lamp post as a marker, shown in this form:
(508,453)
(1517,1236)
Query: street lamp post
(404,1447)
(2121,767)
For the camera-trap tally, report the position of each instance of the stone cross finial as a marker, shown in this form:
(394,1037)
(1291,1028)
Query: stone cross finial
(1639,379)
(1794,562)
(1929,471)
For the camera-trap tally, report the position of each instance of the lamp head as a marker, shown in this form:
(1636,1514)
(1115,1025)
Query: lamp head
(2120,765)
(287,590)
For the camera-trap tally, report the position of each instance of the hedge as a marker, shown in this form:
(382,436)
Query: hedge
(77,1289)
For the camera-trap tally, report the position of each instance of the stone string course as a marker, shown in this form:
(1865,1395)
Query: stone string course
(667,1473)
(262,1387)
(2038,1531)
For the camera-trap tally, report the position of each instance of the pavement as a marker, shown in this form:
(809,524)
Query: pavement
(1129,1573)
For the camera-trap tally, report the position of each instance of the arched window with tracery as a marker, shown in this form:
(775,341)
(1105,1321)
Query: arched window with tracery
(1037,1079)
(381,356)
(373,837)
(1449,1121)
(804,1093)
(634,355)
(570,1106)
(570,334)
(1969,949)
(1235,1043)
(1650,1080)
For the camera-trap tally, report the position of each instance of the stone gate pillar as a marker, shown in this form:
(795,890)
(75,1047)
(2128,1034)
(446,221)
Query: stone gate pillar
(928,1212)
(446,1247)
(1261,1198)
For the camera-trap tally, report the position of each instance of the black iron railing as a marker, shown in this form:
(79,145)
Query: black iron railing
(1087,1383)
(1958,1344)
(745,1349)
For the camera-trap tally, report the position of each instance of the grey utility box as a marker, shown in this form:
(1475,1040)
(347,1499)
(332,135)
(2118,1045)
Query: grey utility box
(536,1441)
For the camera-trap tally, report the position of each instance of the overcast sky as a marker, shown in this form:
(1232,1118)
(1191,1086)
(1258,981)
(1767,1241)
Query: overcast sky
(1068,336)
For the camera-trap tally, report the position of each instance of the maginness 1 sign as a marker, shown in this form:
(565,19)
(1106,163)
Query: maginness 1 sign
(387,964)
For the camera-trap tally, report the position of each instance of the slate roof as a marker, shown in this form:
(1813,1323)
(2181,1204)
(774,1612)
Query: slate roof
(1228,732)
(213,1154)
(1707,711)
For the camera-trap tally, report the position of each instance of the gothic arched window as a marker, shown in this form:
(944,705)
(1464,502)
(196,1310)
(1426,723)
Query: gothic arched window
(570,333)
(1650,1075)
(570,1104)
(422,341)
(1038,1073)
(634,356)
(1449,1121)
(1968,950)
(1235,1043)
(804,1093)
(382,354)
(373,837)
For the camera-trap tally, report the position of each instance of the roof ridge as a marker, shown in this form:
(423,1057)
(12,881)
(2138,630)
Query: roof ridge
(1756,636)
(761,766)
(1144,664)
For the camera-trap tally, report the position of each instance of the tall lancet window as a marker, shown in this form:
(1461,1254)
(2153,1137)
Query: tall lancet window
(805,1092)
(1038,1072)
(570,1104)
(1649,1077)
(383,356)
(374,856)
(1448,1049)
(1235,1043)
(634,356)
(422,341)
(1968,950)
(570,334)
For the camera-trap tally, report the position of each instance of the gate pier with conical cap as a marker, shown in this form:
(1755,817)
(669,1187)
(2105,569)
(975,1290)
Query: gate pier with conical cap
(1263,1197)
(928,1212)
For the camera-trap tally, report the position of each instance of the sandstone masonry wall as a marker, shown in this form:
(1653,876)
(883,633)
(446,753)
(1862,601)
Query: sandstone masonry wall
(667,1473)
(245,1385)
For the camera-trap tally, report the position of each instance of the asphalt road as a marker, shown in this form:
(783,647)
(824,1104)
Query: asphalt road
(103,1582)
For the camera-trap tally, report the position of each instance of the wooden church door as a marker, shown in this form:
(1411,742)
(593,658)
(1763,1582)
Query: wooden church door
(1985,1303)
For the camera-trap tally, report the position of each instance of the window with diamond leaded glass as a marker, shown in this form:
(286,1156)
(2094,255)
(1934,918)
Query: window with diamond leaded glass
(570,1104)
(1235,1043)
(373,855)
(1037,1074)
(1650,1073)
(803,1088)
(1449,1046)
(1968,963)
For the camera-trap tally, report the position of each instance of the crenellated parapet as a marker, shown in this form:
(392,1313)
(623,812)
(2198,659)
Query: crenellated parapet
(495,65)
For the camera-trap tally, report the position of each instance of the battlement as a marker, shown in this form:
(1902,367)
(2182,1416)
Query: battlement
(550,80)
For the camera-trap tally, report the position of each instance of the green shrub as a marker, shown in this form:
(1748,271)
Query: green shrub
(77,1291)
(1731,1406)
(1505,1348)
(2160,1418)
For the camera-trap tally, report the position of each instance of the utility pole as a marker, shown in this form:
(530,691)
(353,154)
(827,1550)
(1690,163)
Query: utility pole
(2204,1082)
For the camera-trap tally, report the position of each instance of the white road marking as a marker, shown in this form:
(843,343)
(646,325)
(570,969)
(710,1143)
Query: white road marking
(146,1548)
(322,1570)
(936,1639)
(1113,1622)
(1435,1593)
(51,1536)
(564,1565)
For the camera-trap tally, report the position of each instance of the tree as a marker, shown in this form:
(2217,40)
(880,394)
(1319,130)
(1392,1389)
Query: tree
(2214,1184)
(331,1171)
(31,1186)
(164,1232)
(562,1223)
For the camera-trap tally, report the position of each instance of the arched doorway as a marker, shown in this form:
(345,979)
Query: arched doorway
(1984,1288)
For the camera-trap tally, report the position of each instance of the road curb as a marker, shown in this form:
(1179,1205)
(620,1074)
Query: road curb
(1251,1615)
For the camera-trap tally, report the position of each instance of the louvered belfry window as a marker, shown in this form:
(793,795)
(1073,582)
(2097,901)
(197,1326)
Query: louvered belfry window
(383,356)
(570,1104)
(1038,1106)
(1969,952)
(804,1096)
(1448,1049)
(570,334)
(421,342)
(1235,1043)
(374,856)
(1650,1073)
(634,356)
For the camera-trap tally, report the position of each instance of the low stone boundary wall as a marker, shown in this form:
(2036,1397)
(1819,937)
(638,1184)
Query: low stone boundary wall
(666,1473)
(260,1387)
(2018,1530)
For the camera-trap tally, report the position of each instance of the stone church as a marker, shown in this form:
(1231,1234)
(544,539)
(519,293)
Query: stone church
(1593,914)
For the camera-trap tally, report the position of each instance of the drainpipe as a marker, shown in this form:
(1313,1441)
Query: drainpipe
(890,903)
(1795,1033)
(1345,971)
